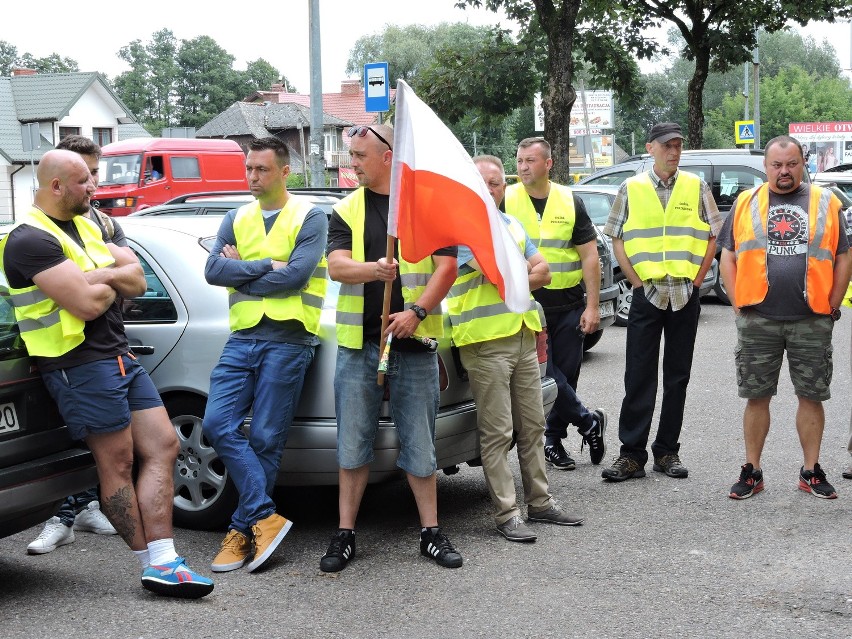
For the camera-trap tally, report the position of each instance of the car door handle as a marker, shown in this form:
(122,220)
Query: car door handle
(142,350)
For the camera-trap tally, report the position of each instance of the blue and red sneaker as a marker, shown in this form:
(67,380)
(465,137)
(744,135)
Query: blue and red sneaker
(175,579)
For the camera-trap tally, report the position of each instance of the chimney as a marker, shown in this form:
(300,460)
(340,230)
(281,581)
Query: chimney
(350,87)
(277,88)
(23,71)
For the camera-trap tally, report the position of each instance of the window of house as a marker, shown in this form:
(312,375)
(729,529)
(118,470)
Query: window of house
(330,141)
(102,137)
(65,131)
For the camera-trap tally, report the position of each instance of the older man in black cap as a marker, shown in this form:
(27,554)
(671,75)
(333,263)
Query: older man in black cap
(663,226)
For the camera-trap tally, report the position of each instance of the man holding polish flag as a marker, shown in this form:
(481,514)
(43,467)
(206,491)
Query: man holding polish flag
(438,198)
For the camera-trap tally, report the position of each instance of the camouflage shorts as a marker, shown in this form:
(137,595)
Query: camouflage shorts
(760,352)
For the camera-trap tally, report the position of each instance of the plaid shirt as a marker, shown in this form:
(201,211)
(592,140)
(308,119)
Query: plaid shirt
(668,290)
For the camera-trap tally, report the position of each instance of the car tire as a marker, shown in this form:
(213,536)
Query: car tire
(721,293)
(205,497)
(622,302)
(590,340)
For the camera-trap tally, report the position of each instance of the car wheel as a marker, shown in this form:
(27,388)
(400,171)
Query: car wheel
(721,293)
(590,340)
(205,498)
(625,297)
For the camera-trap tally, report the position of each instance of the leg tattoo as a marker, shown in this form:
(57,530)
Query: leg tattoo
(119,509)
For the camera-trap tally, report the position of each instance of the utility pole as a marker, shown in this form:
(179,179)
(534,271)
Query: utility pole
(745,90)
(317,161)
(756,89)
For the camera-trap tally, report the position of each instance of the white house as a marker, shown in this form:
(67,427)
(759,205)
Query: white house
(61,104)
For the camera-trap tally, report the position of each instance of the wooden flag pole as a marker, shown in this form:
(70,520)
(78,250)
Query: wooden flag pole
(380,378)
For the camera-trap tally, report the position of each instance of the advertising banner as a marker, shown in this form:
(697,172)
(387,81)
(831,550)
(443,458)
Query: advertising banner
(825,144)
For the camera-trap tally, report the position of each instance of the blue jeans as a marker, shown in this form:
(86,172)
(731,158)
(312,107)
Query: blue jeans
(564,358)
(414,393)
(264,377)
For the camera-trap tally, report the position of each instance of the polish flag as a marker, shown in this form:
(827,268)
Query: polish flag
(438,198)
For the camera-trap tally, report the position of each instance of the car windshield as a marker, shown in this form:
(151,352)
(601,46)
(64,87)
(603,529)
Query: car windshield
(119,169)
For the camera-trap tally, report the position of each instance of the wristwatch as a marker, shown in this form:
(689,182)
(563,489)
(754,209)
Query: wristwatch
(835,314)
(419,311)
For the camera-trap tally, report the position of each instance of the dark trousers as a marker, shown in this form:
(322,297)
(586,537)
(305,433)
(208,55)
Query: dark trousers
(73,504)
(646,324)
(564,358)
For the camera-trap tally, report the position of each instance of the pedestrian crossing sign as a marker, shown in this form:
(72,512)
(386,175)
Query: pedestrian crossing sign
(744,131)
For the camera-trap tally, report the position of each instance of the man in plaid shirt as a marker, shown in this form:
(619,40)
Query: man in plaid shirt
(663,226)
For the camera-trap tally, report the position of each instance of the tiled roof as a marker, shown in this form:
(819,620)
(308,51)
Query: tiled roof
(130,131)
(259,120)
(348,104)
(46,97)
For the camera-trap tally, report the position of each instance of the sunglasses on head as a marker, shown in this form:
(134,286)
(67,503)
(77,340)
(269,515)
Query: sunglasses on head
(361,131)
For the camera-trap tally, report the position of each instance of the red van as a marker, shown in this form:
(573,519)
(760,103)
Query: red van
(142,172)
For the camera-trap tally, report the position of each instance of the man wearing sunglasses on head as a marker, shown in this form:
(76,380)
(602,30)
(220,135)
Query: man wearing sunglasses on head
(357,247)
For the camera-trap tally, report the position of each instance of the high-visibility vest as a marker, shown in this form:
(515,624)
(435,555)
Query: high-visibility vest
(477,312)
(552,234)
(254,243)
(671,242)
(49,330)
(412,278)
(750,229)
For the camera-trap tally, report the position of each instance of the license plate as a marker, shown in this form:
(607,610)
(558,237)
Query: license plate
(8,418)
(606,309)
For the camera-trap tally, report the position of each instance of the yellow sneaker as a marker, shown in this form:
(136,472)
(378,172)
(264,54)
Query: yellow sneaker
(234,553)
(268,533)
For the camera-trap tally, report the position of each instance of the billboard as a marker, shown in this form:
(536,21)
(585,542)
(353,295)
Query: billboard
(825,144)
(598,104)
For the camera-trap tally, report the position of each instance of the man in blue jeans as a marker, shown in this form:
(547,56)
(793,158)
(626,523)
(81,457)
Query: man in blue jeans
(270,255)
(357,249)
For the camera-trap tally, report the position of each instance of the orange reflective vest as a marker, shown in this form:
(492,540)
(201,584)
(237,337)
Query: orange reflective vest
(750,230)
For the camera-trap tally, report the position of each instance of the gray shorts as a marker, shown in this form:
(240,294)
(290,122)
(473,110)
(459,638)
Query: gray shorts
(760,350)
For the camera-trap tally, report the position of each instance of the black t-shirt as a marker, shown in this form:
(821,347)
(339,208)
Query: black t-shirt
(375,247)
(554,300)
(29,251)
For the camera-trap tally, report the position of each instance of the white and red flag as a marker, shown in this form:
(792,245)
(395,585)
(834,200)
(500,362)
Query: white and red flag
(438,198)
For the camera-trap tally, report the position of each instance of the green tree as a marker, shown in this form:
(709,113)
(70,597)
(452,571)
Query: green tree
(720,35)
(8,55)
(571,36)
(205,81)
(407,49)
(793,95)
(53,63)
(133,86)
(162,77)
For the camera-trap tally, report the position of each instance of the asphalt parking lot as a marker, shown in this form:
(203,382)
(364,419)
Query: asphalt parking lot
(655,557)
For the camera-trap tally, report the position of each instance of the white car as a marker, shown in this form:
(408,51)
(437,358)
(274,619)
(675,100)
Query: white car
(178,328)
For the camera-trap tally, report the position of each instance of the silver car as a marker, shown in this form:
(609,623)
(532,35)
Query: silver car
(178,328)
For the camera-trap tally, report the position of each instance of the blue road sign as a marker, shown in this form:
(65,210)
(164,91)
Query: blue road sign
(744,132)
(376,87)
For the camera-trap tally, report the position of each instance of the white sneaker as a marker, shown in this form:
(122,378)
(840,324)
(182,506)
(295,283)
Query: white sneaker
(55,534)
(92,519)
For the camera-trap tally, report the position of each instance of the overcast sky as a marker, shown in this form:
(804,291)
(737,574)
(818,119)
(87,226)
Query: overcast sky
(276,32)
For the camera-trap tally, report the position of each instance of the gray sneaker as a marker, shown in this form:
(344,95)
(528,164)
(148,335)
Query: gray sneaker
(515,529)
(555,515)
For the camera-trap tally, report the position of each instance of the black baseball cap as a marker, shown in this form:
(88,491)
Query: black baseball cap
(665,131)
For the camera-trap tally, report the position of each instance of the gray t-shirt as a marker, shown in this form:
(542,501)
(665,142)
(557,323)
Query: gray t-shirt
(786,253)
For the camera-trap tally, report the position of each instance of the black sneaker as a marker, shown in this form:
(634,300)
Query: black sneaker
(750,483)
(815,483)
(671,466)
(623,468)
(340,551)
(435,545)
(556,455)
(595,437)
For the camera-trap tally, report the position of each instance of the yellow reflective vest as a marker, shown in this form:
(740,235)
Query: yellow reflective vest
(350,302)
(477,312)
(254,243)
(671,242)
(47,329)
(552,234)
